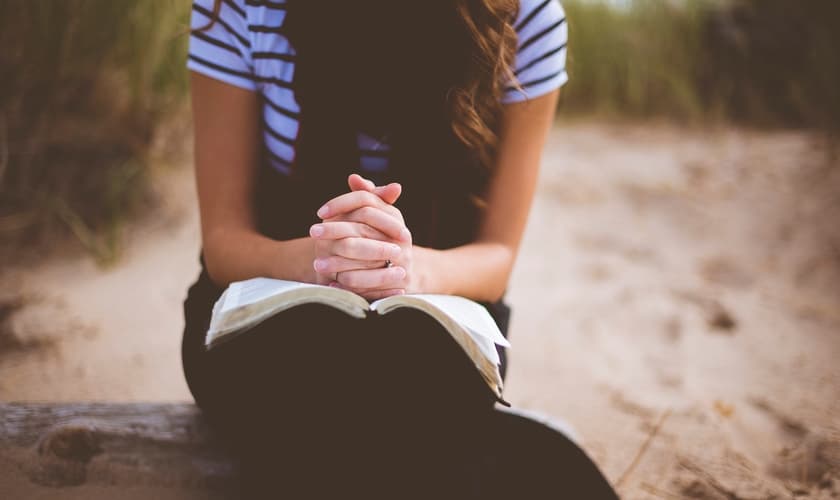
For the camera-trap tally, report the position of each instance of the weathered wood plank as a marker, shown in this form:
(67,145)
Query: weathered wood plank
(164,449)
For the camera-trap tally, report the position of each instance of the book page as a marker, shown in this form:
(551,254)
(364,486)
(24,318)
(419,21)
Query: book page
(469,314)
(243,293)
(469,324)
(245,304)
(486,346)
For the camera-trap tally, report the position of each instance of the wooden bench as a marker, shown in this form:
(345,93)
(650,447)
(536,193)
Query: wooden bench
(120,451)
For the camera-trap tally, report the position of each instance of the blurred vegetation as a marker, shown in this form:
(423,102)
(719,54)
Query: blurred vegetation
(641,60)
(85,82)
(757,62)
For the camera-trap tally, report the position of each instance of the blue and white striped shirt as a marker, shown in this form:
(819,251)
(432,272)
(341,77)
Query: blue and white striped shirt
(245,48)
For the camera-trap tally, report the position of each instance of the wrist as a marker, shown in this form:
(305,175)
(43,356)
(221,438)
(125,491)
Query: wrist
(292,260)
(427,279)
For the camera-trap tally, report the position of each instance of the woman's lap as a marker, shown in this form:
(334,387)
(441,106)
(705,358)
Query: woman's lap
(318,404)
(316,356)
(319,391)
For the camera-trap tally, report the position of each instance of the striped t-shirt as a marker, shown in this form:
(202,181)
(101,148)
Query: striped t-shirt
(246,48)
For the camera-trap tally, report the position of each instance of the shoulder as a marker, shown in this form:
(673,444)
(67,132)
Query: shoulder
(540,62)
(539,12)
(220,41)
(539,9)
(539,24)
(226,11)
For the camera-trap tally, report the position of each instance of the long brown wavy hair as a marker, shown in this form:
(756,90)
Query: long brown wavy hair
(474,103)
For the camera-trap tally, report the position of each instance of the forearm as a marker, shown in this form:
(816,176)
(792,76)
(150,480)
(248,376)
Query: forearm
(237,254)
(478,271)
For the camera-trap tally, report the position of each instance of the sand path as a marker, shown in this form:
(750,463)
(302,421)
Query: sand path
(677,287)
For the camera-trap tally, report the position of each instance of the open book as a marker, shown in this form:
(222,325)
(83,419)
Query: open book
(245,304)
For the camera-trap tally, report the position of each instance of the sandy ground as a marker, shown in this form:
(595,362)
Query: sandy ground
(676,301)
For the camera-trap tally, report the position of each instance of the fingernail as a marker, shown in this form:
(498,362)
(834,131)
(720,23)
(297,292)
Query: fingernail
(399,272)
(334,284)
(316,230)
(405,234)
(323,211)
(395,251)
(320,264)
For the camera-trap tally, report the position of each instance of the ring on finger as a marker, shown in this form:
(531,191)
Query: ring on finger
(388,264)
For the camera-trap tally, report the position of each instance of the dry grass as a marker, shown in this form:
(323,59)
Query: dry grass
(757,62)
(85,83)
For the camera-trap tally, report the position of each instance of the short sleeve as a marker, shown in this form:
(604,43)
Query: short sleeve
(222,51)
(540,63)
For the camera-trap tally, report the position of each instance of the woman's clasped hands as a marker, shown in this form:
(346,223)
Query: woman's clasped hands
(362,244)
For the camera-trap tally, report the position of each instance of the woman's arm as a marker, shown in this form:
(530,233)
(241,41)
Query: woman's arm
(481,270)
(478,270)
(227,145)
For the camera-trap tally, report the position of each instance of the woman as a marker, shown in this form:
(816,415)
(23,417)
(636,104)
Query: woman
(452,99)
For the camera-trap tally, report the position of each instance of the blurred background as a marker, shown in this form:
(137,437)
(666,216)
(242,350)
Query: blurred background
(682,313)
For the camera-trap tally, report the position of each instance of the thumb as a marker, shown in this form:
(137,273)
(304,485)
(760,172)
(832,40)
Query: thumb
(389,193)
(359,183)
